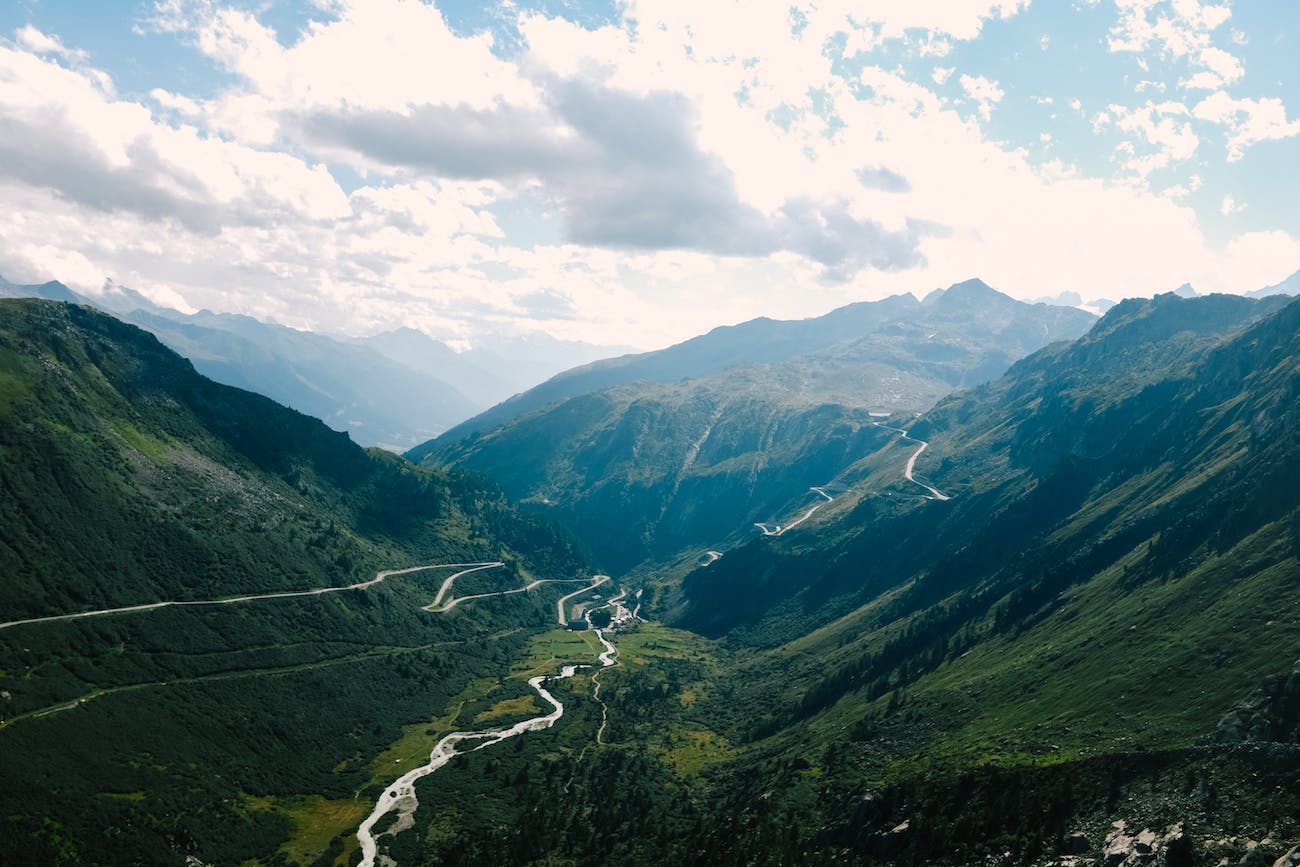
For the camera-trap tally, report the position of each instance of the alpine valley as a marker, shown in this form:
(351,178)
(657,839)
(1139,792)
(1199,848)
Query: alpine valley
(953,581)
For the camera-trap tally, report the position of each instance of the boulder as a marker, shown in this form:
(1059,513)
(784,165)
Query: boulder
(1076,844)
(1171,849)
(1231,729)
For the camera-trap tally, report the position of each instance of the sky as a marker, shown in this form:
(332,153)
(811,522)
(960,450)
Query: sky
(634,173)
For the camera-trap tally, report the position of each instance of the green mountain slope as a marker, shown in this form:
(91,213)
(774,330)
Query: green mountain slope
(734,427)
(220,731)
(1074,639)
(1117,567)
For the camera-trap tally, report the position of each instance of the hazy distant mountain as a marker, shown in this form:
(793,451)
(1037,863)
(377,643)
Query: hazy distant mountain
(1289,286)
(495,368)
(353,388)
(418,351)
(525,360)
(121,300)
(895,332)
(395,389)
(51,291)
(647,455)
(1074,299)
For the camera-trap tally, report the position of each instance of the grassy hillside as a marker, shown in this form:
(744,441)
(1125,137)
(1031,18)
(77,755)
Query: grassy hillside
(1117,568)
(227,732)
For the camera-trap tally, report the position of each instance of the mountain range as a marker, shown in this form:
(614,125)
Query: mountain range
(1052,624)
(394,389)
(955,581)
(648,456)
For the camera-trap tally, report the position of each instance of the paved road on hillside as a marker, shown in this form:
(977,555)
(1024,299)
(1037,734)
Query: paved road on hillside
(465,568)
(452,603)
(935,493)
(259,597)
(908,473)
(401,794)
(782,529)
(559,606)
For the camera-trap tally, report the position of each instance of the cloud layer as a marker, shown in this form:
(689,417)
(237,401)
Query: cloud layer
(380,167)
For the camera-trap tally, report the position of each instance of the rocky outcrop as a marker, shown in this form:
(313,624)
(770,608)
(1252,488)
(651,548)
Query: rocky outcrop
(1146,847)
(1270,715)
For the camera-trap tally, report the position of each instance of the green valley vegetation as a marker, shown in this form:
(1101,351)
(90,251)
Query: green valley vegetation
(1083,652)
(238,731)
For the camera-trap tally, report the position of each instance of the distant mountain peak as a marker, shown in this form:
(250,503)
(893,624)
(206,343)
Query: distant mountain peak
(1187,291)
(973,285)
(51,291)
(966,293)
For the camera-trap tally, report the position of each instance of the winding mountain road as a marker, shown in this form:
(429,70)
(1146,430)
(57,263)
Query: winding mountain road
(436,605)
(287,594)
(782,529)
(935,493)
(908,473)
(559,605)
(400,795)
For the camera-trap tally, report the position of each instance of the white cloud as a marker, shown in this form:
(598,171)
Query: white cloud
(1163,128)
(934,46)
(985,92)
(1226,66)
(1247,121)
(1230,206)
(1252,261)
(1179,30)
(43,43)
(960,19)
(593,182)
(1176,27)
(1202,81)
(176,102)
(62,130)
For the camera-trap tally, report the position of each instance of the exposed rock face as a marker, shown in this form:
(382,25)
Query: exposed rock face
(1271,714)
(1146,847)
